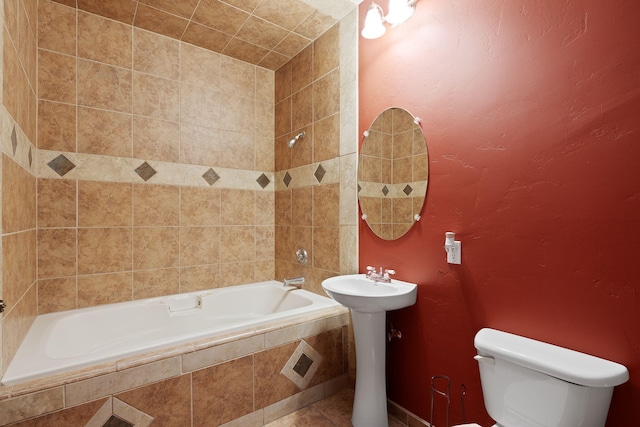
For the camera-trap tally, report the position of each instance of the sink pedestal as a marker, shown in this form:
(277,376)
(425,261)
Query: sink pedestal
(369,302)
(370,403)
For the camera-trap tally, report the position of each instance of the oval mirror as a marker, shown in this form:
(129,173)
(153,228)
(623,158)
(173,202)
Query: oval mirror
(392,173)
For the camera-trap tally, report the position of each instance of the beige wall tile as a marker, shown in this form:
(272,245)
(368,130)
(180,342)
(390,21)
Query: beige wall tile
(199,277)
(326,138)
(326,248)
(56,27)
(56,252)
(104,250)
(269,385)
(18,251)
(56,77)
(199,206)
(237,78)
(31,405)
(104,132)
(237,207)
(199,245)
(205,37)
(156,205)
(16,324)
(223,392)
(104,86)
(104,204)
(155,139)
(104,289)
(237,243)
(326,205)
(18,197)
(167,402)
(326,95)
(222,353)
(155,283)
(200,106)
(237,273)
(199,145)
(56,126)
(155,247)
(200,67)
(326,52)
(156,97)
(156,54)
(184,9)
(57,295)
(159,22)
(119,10)
(56,203)
(237,150)
(104,40)
(94,388)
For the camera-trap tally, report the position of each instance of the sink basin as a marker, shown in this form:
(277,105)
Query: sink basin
(366,296)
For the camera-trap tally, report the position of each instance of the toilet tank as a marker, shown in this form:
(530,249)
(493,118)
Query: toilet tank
(528,383)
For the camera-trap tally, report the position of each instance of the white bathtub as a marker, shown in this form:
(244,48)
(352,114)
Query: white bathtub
(69,340)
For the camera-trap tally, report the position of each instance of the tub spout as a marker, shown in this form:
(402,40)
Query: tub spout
(296,281)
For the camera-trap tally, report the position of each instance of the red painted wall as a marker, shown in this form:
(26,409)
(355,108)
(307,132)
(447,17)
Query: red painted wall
(531,111)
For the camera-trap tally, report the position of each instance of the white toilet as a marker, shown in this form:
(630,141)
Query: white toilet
(528,383)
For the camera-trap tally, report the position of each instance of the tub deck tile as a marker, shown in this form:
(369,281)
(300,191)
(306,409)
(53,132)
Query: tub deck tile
(31,405)
(221,353)
(105,385)
(160,354)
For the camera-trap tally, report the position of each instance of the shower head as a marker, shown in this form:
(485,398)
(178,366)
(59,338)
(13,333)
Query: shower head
(295,139)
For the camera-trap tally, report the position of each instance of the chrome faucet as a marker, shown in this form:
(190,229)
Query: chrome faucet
(295,281)
(381,276)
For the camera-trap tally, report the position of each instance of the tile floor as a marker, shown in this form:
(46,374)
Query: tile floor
(334,411)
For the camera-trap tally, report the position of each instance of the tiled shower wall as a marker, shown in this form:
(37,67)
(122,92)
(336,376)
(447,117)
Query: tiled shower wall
(18,173)
(198,129)
(316,207)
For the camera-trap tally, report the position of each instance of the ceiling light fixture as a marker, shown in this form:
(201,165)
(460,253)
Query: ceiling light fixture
(399,12)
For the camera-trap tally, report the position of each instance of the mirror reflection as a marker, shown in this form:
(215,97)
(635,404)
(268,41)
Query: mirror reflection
(392,173)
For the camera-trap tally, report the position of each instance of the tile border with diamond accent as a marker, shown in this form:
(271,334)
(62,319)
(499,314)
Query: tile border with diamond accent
(394,191)
(304,176)
(91,167)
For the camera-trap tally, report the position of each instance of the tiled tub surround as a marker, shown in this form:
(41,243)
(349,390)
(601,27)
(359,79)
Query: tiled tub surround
(234,379)
(67,341)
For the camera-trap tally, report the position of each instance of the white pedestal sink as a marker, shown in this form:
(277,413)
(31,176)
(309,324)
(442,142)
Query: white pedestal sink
(369,301)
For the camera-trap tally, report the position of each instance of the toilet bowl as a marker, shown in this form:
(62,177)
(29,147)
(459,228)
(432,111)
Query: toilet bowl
(528,383)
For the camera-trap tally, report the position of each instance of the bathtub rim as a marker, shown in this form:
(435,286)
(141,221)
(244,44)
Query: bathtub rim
(330,311)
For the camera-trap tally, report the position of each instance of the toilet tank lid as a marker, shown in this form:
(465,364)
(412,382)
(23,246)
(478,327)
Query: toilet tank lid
(568,365)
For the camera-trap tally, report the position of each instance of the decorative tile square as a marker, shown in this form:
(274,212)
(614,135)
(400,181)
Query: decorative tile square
(263,180)
(407,190)
(385,190)
(359,188)
(319,173)
(116,413)
(61,165)
(211,176)
(30,157)
(145,171)
(114,421)
(302,365)
(286,179)
(14,140)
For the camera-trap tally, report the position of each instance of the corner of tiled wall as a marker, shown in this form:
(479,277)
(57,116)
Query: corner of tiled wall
(19,159)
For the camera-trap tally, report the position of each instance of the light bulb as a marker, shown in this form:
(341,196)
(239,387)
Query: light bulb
(373,27)
(399,11)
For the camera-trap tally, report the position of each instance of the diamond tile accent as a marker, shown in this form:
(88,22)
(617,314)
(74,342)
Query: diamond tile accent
(263,180)
(385,190)
(114,421)
(14,140)
(407,190)
(302,365)
(145,171)
(30,157)
(319,173)
(286,179)
(211,176)
(359,188)
(61,165)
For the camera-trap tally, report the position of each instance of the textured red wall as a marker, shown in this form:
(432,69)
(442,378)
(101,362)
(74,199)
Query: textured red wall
(531,112)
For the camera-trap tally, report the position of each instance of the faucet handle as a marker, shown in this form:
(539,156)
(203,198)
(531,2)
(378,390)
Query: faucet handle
(370,268)
(388,272)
